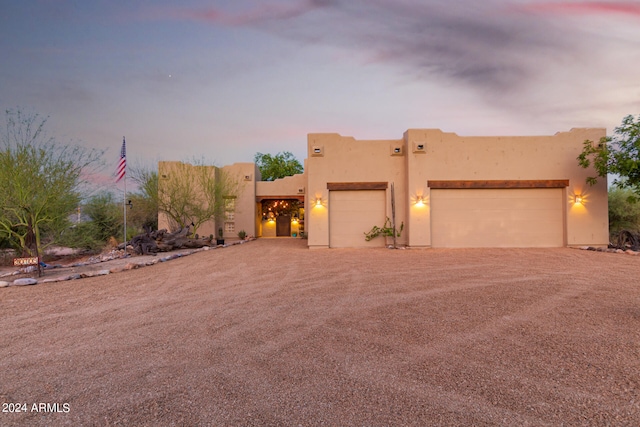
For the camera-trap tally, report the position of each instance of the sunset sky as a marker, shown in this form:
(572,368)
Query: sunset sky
(224,79)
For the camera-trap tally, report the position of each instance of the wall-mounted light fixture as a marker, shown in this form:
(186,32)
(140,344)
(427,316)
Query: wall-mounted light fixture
(578,200)
(419,147)
(420,201)
(319,201)
(396,150)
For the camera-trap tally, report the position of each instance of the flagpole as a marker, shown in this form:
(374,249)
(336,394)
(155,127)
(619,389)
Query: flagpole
(124,205)
(121,173)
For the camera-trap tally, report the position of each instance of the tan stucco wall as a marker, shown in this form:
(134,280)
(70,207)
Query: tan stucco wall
(345,159)
(282,188)
(245,213)
(410,163)
(244,174)
(447,156)
(452,157)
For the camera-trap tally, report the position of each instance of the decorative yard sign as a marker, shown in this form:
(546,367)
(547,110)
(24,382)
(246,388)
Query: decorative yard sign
(19,262)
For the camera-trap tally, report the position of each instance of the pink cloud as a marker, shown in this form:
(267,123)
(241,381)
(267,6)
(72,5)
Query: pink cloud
(626,8)
(262,13)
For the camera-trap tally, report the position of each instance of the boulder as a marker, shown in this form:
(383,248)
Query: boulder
(24,282)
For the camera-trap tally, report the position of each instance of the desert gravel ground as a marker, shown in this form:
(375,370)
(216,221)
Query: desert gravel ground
(270,333)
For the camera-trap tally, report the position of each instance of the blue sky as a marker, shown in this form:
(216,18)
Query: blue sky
(222,80)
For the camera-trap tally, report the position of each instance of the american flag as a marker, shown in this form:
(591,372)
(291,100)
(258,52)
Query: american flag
(122,164)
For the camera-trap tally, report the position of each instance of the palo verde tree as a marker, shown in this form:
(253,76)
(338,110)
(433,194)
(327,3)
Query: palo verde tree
(144,212)
(618,155)
(40,182)
(278,166)
(192,194)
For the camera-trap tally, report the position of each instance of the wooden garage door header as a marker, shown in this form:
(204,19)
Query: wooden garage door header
(507,183)
(348,186)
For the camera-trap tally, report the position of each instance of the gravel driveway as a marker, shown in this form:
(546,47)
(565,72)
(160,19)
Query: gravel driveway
(271,333)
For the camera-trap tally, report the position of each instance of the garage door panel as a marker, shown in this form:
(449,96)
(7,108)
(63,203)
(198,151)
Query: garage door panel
(353,213)
(497,218)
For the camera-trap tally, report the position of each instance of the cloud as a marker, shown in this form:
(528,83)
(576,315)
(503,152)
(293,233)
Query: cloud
(271,11)
(480,44)
(514,54)
(594,7)
(508,56)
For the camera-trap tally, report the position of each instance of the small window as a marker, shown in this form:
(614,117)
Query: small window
(229,227)
(229,208)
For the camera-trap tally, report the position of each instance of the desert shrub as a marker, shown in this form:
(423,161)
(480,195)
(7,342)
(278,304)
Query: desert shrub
(83,235)
(624,211)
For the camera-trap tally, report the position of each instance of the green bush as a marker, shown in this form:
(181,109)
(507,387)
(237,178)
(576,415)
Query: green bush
(624,211)
(82,236)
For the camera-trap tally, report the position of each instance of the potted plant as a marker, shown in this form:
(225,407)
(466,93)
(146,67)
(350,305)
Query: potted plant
(220,239)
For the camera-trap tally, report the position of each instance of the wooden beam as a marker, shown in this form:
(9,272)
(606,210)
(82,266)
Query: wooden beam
(345,186)
(284,197)
(507,183)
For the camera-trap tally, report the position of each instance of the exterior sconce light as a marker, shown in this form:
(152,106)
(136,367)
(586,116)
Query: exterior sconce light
(578,200)
(420,201)
(319,201)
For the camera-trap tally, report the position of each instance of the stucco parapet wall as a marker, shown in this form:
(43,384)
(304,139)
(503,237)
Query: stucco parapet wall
(290,186)
(435,132)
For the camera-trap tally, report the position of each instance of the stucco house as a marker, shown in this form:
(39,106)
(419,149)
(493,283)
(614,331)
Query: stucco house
(446,191)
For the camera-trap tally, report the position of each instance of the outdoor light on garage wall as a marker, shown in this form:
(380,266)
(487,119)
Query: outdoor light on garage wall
(420,201)
(319,201)
(578,200)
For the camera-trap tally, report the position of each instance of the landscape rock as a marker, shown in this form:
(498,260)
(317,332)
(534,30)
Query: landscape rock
(4,284)
(24,282)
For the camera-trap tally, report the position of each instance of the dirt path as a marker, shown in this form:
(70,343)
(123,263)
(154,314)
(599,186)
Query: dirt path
(271,333)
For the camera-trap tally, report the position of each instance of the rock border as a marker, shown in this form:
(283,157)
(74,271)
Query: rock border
(110,257)
(608,250)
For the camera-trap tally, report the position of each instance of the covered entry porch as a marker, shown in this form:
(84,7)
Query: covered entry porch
(280,207)
(281,217)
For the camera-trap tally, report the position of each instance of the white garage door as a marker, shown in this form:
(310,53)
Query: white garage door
(353,213)
(471,218)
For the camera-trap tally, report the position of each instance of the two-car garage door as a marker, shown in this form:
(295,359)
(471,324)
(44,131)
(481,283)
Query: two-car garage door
(460,218)
(528,217)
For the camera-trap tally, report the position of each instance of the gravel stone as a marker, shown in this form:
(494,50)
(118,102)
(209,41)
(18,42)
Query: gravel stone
(272,333)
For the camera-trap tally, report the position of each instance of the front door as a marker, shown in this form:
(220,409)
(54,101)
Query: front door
(283,225)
